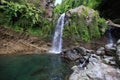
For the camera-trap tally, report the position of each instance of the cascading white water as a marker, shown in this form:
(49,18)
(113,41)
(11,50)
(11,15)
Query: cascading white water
(57,40)
(110,39)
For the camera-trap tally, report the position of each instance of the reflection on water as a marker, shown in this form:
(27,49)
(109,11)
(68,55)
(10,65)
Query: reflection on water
(33,67)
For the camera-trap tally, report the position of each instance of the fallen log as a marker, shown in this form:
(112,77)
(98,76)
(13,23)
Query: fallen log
(110,23)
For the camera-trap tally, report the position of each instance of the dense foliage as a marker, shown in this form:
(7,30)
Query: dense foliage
(79,30)
(25,16)
(69,4)
(29,16)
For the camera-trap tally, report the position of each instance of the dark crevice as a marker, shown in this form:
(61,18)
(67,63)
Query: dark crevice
(110,9)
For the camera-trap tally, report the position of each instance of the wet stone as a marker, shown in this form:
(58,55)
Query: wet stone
(100,51)
(95,70)
(109,60)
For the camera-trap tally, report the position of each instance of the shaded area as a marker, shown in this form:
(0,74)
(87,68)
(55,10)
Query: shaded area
(32,67)
(110,9)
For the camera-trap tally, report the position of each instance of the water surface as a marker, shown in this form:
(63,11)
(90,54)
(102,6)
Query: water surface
(33,67)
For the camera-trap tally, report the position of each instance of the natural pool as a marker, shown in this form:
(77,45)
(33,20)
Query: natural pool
(33,67)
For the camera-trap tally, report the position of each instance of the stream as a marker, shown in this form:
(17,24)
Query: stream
(33,67)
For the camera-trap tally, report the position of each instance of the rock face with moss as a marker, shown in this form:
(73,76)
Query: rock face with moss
(46,5)
(84,24)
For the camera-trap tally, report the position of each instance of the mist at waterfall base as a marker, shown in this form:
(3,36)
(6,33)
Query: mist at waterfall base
(33,67)
(57,39)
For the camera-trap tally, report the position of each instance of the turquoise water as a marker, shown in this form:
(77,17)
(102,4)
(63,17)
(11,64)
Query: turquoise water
(33,67)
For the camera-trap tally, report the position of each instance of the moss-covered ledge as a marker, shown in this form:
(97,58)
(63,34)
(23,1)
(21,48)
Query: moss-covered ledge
(84,24)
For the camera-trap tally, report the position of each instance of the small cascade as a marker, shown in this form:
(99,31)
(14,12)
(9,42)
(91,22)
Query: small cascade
(110,38)
(57,40)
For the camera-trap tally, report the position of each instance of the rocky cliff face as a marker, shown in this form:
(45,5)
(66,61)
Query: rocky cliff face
(46,5)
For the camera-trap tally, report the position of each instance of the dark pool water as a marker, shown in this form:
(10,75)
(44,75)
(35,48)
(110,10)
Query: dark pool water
(33,67)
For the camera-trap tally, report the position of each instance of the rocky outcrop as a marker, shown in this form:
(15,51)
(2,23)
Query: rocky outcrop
(95,70)
(76,53)
(81,9)
(110,53)
(85,23)
(49,8)
(46,5)
(102,64)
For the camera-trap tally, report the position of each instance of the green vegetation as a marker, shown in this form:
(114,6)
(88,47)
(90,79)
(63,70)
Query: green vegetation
(29,16)
(70,4)
(25,17)
(80,30)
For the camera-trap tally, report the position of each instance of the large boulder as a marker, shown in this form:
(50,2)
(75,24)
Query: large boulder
(80,10)
(95,70)
(76,53)
(84,24)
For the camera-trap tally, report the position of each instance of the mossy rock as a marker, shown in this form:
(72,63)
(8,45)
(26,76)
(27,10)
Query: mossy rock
(84,24)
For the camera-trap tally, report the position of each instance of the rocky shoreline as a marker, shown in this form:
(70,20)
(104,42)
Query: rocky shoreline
(102,64)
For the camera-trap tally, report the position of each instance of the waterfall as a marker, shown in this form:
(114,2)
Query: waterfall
(57,40)
(110,38)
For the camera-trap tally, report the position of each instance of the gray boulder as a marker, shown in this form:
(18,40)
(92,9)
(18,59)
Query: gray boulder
(95,70)
(100,51)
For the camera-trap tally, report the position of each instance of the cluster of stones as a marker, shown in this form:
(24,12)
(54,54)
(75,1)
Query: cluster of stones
(102,64)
